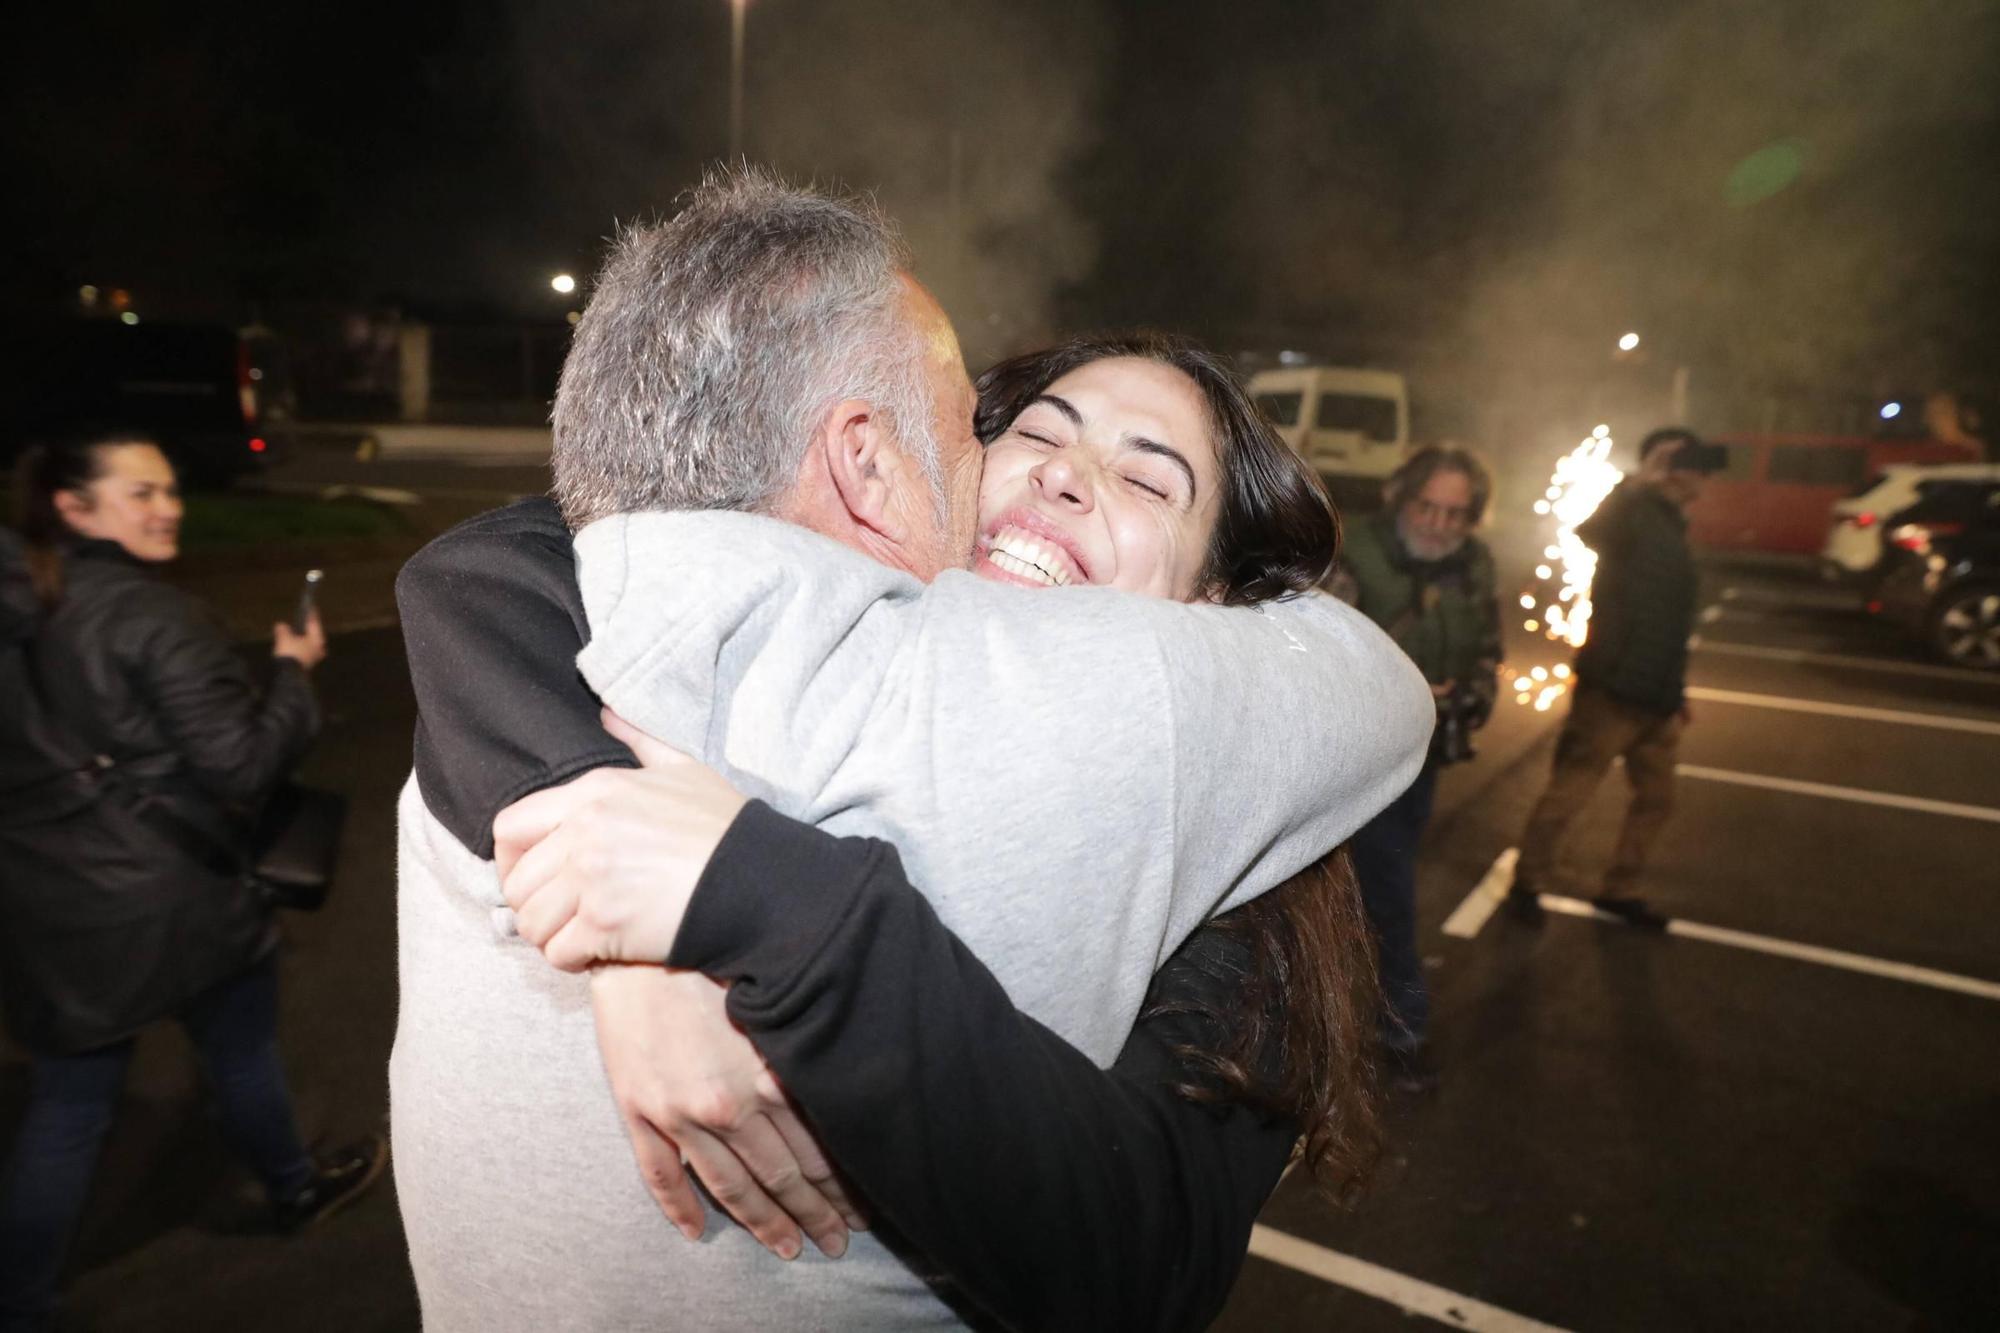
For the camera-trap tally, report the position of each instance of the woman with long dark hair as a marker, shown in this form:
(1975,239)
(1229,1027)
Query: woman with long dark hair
(152,741)
(1308,990)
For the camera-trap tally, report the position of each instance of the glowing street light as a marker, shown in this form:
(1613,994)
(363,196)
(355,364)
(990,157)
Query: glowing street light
(563,283)
(1890,411)
(1629,342)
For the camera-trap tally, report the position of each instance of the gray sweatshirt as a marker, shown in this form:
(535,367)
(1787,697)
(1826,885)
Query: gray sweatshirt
(1076,778)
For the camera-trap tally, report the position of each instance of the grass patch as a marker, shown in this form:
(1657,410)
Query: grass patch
(228,520)
(244,520)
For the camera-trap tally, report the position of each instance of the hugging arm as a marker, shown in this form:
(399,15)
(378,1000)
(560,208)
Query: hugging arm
(1054,1194)
(1228,747)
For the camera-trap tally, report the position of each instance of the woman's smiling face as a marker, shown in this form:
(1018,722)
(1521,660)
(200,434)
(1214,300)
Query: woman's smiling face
(1109,477)
(135,501)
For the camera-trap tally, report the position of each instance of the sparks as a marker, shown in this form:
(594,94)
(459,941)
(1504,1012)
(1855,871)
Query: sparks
(1582,479)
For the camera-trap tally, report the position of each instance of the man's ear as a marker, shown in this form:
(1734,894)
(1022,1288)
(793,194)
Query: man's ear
(862,461)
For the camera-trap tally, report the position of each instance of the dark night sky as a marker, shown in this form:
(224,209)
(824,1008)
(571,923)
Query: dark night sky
(1481,185)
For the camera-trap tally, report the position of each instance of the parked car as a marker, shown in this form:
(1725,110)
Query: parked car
(1775,491)
(1853,549)
(1941,577)
(193,387)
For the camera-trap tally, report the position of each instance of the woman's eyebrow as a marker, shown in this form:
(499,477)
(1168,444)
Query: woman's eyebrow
(1145,446)
(1062,405)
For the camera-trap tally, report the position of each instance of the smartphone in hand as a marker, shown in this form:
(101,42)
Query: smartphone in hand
(308,597)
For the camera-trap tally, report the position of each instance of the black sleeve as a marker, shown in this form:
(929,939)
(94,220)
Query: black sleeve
(1052,1194)
(492,623)
(235,741)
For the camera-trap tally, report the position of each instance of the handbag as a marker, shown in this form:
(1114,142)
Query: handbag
(295,845)
(292,851)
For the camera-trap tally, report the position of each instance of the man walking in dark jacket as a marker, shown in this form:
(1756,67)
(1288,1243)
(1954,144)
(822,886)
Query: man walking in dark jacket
(1631,674)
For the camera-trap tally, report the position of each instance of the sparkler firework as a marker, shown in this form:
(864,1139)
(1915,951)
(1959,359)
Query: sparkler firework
(1558,602)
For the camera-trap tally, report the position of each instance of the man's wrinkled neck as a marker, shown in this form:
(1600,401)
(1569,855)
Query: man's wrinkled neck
(818,508)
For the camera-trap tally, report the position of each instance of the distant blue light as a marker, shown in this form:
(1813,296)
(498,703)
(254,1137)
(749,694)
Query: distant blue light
(1890,411)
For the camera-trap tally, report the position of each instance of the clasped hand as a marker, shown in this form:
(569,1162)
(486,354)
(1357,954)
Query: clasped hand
(601,869)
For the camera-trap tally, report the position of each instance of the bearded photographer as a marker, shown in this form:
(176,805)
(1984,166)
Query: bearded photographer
(1415,569)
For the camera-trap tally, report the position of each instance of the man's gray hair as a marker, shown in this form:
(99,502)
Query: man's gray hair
(715,342)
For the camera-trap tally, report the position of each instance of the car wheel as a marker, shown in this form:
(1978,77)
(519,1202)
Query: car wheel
(1965,627)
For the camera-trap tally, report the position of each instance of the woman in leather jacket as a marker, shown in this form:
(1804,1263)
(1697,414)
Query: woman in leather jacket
(141,719)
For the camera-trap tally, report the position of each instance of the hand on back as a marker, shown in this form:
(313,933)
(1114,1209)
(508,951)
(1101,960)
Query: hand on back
(601,869)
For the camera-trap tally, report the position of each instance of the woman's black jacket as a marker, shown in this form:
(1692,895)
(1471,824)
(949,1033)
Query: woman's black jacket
(108,924)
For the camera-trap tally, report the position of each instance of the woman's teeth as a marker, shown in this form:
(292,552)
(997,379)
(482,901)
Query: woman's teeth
(1024,557)
(1019,568)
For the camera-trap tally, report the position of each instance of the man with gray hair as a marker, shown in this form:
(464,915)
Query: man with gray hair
(1417,568)
(706,389)
(786,364)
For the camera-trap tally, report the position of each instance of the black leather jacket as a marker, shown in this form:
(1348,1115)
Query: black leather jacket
(107,924)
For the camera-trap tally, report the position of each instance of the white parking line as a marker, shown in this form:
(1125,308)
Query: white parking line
(1899,716)
(1802,657)
(1861,796)
(1405,1293)
(1470,917)
(1805,953)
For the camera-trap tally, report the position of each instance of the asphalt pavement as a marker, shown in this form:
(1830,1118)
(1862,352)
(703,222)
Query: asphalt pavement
(1633,1131)
(1794,1128)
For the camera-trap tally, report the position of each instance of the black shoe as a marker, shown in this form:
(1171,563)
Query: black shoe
(1632,911)
(1525,906)
(1408,1071)
(338,1179)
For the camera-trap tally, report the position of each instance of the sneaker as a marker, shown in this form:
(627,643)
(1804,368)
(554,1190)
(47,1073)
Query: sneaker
(1633,912)
(339,1178)
(1408,1071)
(1525,906)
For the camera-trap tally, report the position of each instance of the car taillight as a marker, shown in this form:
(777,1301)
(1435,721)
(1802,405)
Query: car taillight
(258,446)
(1918,536)
(1864,519)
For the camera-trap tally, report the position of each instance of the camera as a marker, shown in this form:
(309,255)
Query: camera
(1459,714)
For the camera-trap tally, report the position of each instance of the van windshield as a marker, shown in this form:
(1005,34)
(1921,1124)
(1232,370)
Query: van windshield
(1367,416)
(1280,409)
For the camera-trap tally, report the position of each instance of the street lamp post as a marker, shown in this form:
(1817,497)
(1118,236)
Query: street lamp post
(736,8)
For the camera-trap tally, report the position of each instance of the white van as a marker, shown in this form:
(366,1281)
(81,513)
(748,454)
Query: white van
(1346,423)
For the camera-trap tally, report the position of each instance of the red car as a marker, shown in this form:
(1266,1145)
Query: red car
(1776,492)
